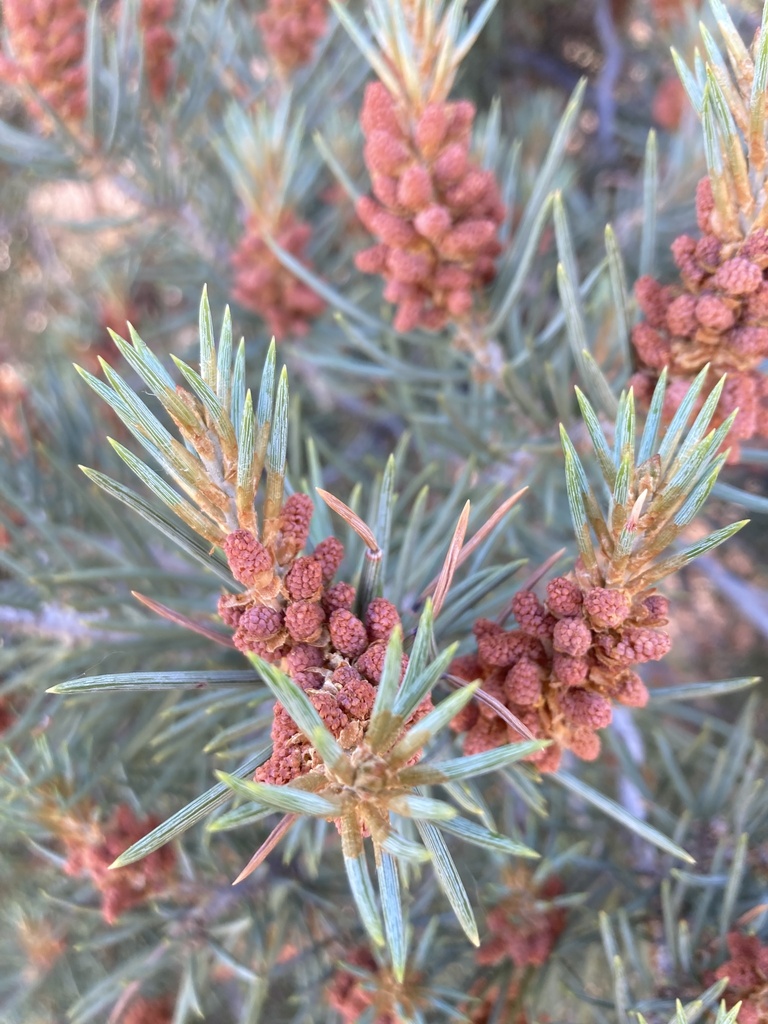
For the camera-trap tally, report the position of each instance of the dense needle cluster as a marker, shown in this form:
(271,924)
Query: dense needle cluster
(264,286)
(717,314)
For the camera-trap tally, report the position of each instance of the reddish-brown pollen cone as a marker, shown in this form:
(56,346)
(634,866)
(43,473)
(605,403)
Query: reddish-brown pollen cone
(345,994)
(747,973)
(572,636)
(304,621)
(295,518)
(669,103)
(436,214)
(305,580)
(533,617)
(356,695)
(330,554)
(340,595)
(149,1011)
(262,622)
(348,634)
(248,559)
(606,609)
(523,683)
(91,853)
(48,44)
(632,691)
(159,44)
(291,30)
(519,930)
(584,707)
(715,314)
(564,596)
(560,672)
(381,618)
(264,286)
(371,662)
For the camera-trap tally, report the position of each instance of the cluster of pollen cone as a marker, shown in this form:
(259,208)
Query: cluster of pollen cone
(291,30)
(716,314)
(292,613)
(262,284)
(561,670)
(46,43)
(91,849)
(436,213)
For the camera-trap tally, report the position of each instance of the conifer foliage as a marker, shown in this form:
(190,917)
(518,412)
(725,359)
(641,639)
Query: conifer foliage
(382,665)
